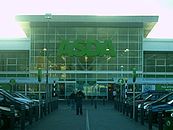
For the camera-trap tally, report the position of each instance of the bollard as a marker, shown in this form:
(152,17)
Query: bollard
(48,108)
(136,113)
(1,120)
(57,103)
(36,113)
(22,118)
(92,101)
(95,104)
(131,111)
(160,116)
(123,104)
(45,108)
(12,117)
(42,111)
(150,119)
(103,101)
(51,106)
(30,113)
(120,106)
(115,104)
(127,109)
(142,114)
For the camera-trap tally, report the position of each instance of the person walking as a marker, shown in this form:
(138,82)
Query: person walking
(78,99)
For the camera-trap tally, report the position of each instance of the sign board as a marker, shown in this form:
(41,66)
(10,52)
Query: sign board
(121,81)
(164,87)
(86,48)
(148,87)
(12,82)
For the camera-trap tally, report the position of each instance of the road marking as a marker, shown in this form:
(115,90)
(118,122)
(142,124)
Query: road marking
(87,121)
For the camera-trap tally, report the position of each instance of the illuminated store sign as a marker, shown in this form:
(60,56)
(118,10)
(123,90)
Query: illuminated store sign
(86,48)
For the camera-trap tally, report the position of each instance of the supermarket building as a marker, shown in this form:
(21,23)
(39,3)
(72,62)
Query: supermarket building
(86,52)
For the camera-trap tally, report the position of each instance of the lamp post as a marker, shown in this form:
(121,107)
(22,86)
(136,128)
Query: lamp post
(47,73)
(48,16)
(121,85)
(134,80)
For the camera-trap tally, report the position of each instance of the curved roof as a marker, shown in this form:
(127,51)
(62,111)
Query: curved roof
(147,22)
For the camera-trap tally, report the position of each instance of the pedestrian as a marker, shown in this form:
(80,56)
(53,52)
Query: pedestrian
(114,93)
(78,99)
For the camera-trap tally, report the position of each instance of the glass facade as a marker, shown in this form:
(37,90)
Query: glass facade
(83,52)
(158,64)
(14,63)
(86,70)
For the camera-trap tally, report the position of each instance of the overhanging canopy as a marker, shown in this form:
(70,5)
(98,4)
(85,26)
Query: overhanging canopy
(147,22)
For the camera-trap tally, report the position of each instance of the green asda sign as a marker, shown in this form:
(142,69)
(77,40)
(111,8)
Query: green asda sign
(164,87)
(86,48)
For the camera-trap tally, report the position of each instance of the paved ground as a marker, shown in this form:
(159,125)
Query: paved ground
(102,118)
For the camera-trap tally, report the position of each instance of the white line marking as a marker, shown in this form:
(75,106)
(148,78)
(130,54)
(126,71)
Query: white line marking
(87,121)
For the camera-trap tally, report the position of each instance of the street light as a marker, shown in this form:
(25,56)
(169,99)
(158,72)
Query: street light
(134,80)
(48,16)
(47,73)
(121,84)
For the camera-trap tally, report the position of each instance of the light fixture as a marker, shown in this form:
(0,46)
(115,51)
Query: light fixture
(126,50)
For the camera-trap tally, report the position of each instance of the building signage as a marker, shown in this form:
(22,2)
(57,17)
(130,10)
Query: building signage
(164,87)
(86,48)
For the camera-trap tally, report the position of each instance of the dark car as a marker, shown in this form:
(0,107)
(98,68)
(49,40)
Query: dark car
(151,98)
(161,101)
(147,96)
(159,105)
(25,99)
(6,116)
(166,109)
(6,100)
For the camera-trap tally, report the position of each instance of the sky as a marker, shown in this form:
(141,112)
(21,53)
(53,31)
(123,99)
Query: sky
(9,27)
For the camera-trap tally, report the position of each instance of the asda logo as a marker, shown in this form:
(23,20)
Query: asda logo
(86,48)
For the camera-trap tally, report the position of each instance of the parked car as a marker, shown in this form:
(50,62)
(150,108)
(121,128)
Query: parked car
(151,98)
(147,96)
(6,99)
(159,105)
(166,109)
(6,116)
(161,101)
(25,99)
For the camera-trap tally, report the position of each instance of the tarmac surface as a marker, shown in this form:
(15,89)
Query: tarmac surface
(105,117)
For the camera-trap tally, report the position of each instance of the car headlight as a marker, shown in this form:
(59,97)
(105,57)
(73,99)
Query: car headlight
(146,107)
(171,114)
(26,107)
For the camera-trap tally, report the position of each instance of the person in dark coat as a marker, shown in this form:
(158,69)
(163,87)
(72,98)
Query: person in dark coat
(78,99)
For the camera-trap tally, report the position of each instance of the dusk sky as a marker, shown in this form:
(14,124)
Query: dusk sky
(162,8)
